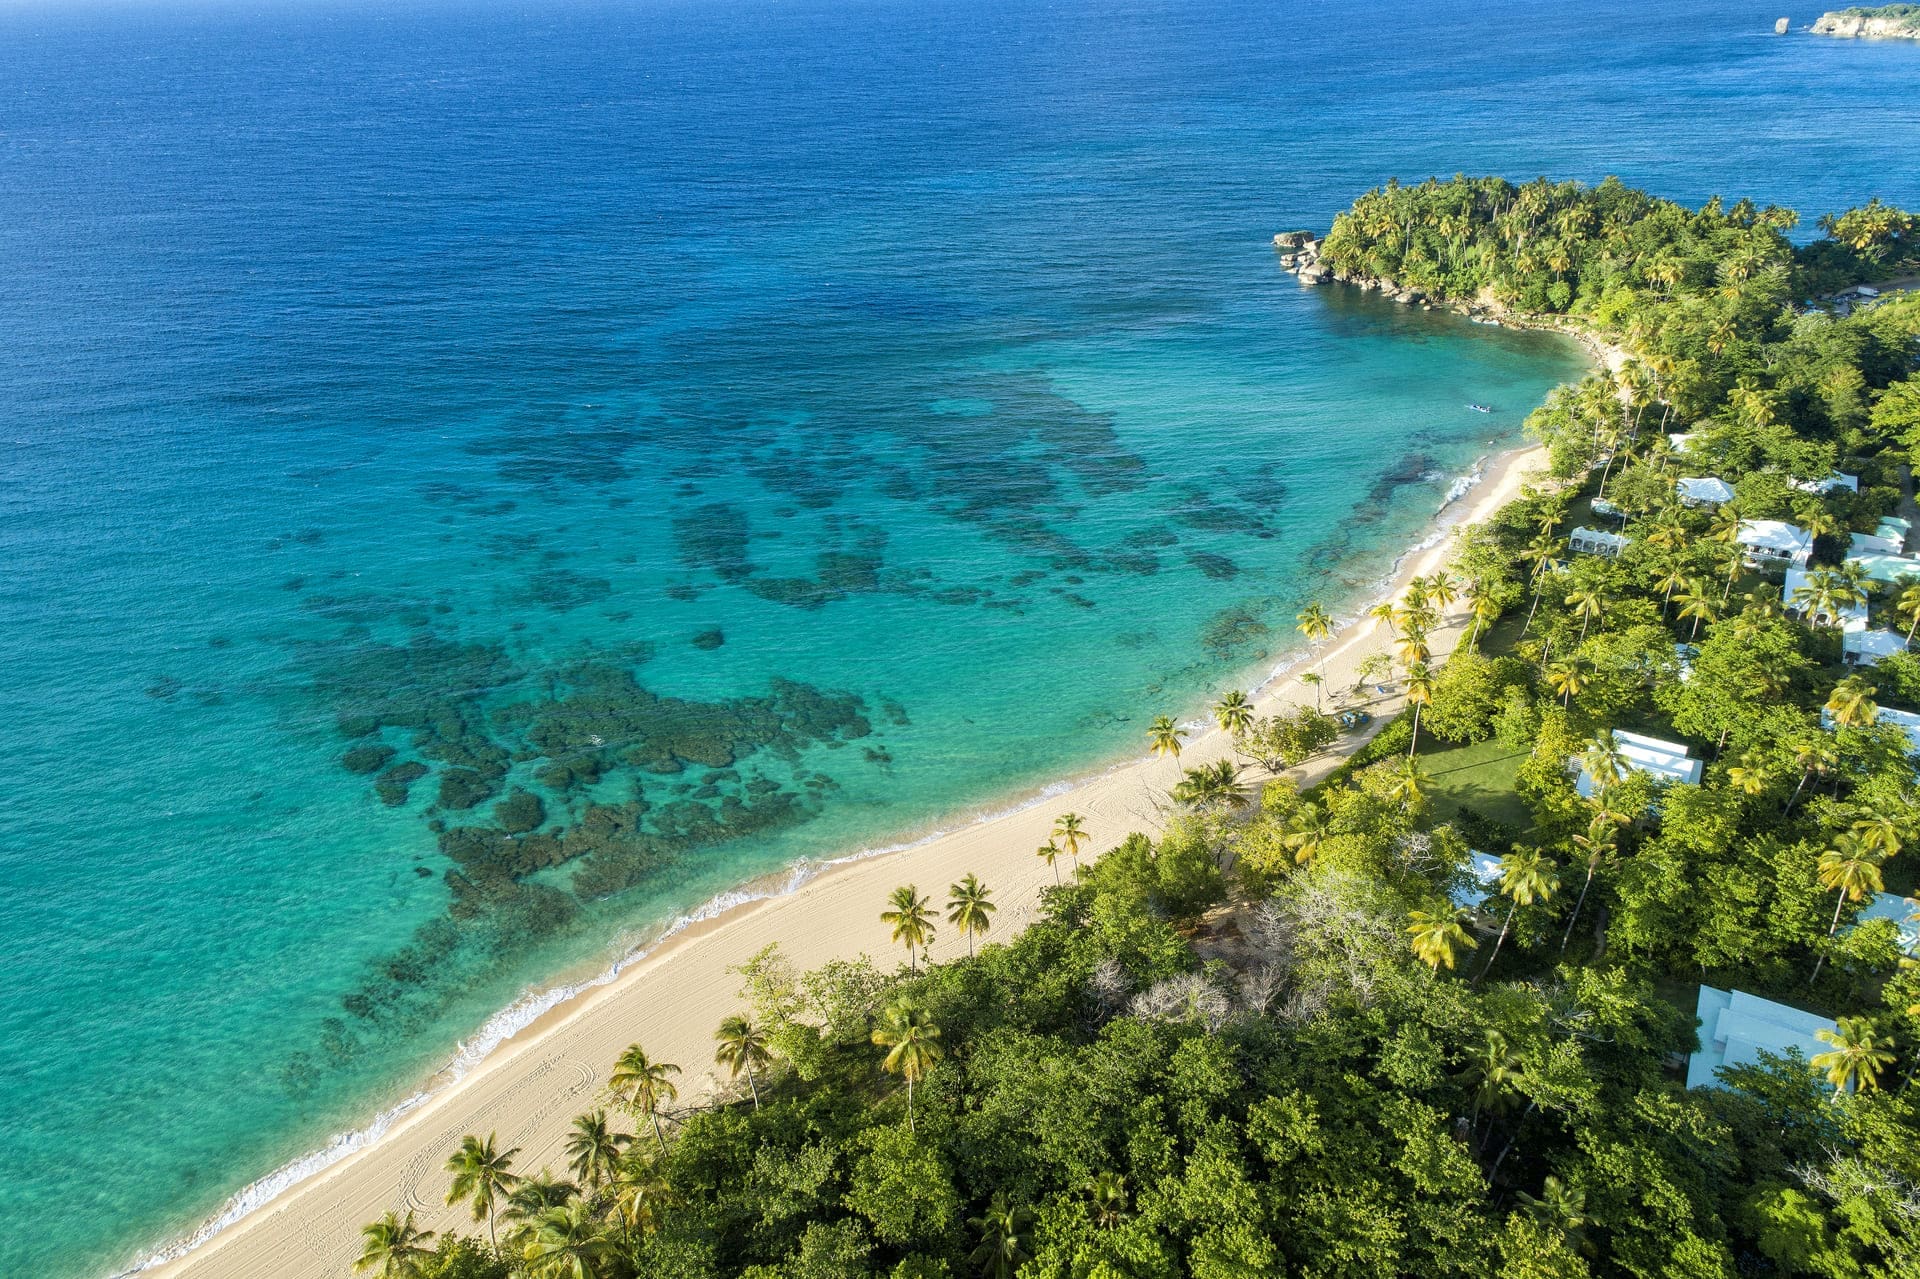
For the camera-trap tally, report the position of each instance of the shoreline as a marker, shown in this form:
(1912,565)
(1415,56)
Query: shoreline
(303,1218)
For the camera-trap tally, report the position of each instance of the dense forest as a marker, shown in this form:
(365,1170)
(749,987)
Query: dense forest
(1280,1039)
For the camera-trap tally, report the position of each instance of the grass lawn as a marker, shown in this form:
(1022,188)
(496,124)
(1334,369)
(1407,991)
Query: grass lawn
(1477,776)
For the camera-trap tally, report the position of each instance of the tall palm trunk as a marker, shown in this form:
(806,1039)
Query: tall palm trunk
(1500,941)
(654,1115)
(754,1088)
(1578,903)
(1837,906)
(1415,743)
(1795,797)
(1535,605)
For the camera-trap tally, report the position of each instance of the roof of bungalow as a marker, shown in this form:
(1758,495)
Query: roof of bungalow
(1852,618)
(1597,540)
(1875,544)
(1679,440)
(1484,870)
(1664,761)
(1886,568)
(1905,526)
(1906,721)
(1904,912)
(1864,647)
(1775,535)
(1835,480)
(1704,488)
(1735,1028)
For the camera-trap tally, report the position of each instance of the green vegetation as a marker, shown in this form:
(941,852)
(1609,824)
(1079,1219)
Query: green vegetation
(1272,1041)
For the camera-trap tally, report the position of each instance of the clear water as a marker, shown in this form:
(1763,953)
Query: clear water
(426,363)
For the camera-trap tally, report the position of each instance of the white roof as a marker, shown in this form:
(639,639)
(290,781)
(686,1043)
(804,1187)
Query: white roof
(1886,568)
(1869,646)
(1852,617)
(1735,1028)
(1679,440)
(1664,761)
(1776,535)
(1704,489)
(1903,911)
(1875,544)
(1599,536)
(1906,721)
(1835,480)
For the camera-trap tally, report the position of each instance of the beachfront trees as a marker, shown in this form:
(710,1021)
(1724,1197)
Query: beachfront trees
(1316,624)
(644,1086)
(913,1046)
(742,1050)
(1589,606)
(393,1247)
(1857,1056)
(566,1242)
(1164,737)
(1439,934)
(1526,876)
(1234,714)
(1298,733)
(482,1173)
(910,915)
(1306,829)
(1067,828)
(1419,696)
(1049,853)
(1215,785)
(593,1149)
(970,908)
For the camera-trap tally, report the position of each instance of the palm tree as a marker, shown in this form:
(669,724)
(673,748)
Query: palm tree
(913,1047)
(1306,829)
(1883,831)
(970,908)
(912,919)
(566,1242)
(1753,775)
(1851,703)
(1049,853)
(1560,1207)
(1420,696)
(1165,737)
(531,1197)
(1002,1248)
(1588,606)
(1598,844)
(1313,680)
(1442,590)
(394,1246)
(1109,1194)
(1604,761)
(1234,714)
(593,1149)
(1410,783)
(743,1048)
(1698,605)
(1857,1057)
(1907,604)
(1673,576)
(1068,830)
(1852,870)
(1568,679)
(1439,934)
(1495,1067)
(1526,876)
(1541,553)
(1215,785)
(481,1174)
(639,1193)
(1316,624)
(1486,611)
(644,1085)
(1413,647)
(1824,594)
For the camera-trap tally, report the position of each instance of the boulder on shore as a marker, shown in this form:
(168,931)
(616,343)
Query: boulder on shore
(1780,27)
(1293,239)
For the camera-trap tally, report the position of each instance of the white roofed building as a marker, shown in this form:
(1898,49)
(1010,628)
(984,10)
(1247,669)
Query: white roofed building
(1703,491)
(1849,618)
(1735,1028)
(1593,541)
(1906,721)
(1836,480)
(1866,646)
(1904,913)
(1663,761)
(1775,542)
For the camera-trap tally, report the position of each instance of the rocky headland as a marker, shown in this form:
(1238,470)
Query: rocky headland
(1891,21)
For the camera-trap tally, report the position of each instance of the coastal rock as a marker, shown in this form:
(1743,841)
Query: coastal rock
(1293,239)
(1890,22)
(1780,27)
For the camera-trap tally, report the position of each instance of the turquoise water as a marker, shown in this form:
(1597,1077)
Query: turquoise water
(754,433)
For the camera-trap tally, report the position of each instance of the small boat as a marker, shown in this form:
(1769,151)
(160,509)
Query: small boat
(1480,408)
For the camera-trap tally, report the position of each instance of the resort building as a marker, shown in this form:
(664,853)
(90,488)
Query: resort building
(1874,544)
(1703,491)
(1484,870)
(1886,569)
(1902,912)
(1601,506)
(1836,480)
(1772,543)
(1735,1028)
(1664,761)
(1849,617)
(1678,441)
(1864,647)
(1906,721)
(1593,541)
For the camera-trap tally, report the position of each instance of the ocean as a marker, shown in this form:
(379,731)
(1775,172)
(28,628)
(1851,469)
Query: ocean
(482,479)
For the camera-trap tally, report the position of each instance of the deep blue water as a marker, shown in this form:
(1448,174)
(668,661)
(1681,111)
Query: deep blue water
(429,380)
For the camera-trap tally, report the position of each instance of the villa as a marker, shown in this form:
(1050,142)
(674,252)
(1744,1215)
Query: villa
(1866,647)
(1772,543)
(1593,541)
(1886,569)
(1903,912)
(1735,1028)
(1906,721)
(1703,491)
(1850,618)
(1664,761)
(1874,544)
(1836,480)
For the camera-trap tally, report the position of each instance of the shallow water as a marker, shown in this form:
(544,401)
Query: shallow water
(870,410)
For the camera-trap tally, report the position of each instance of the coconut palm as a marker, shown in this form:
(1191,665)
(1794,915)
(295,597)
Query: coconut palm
(482,1173)
(1560,1207)
(1413,647)
(1215,785)
(1049,853)
(913,1047)
(1852,871)
(742,1050)
(1002,1248)
(531,1197)
(1541,554)
(1753,775)
(565,1242)
(1442,590)
(1495,1069)
(644,1086)
(1884,832)
(1485,611)
(1419,696)
(911,917)
(1812,755)
(1589,606)
(1598,846)
(1316,624)
(1071,834)
(1672,576)
(1439,935)
(1313,680)
(970,908)
(1234,714)
(1164,737)
(1409,783)
(638,1194)
(1823,595)
(1306,829)
(1857,1058)
(1604,761)
(1526,876)
(1698,605)
(1851,704)
(1568,679)
(1108,1191)
(593,1149)
(1907,604)
(393,1247)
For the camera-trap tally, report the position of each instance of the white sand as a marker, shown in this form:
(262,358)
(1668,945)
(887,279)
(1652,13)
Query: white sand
(531,1087)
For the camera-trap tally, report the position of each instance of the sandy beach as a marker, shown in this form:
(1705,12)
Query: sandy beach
(530,1088)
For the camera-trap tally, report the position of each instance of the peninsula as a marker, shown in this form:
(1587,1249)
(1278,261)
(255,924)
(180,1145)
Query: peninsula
(1887,21)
